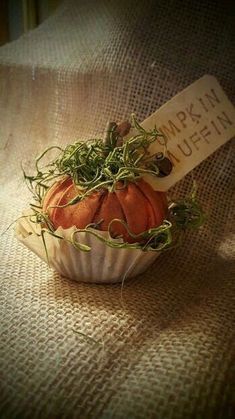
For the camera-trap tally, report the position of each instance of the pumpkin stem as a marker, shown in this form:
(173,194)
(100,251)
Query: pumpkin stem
(114,134)
(111,135)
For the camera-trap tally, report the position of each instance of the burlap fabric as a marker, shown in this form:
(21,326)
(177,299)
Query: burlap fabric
(165,349)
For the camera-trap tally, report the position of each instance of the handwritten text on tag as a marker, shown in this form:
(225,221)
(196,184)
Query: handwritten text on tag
(195,123)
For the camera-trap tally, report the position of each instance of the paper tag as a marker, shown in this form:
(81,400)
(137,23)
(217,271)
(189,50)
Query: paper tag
(195,123)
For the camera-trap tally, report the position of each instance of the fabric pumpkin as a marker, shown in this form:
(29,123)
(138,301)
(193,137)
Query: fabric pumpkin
(137,204)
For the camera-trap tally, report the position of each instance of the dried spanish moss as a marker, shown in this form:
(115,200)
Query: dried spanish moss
(96,164)
(99,164)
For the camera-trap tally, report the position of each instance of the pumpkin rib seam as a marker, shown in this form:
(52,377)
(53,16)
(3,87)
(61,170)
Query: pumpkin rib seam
(160,202)
(60,201)
(100,203)
(122,209)
(150,205)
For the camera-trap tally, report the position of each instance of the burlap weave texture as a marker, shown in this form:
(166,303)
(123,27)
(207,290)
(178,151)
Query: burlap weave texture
(165,349)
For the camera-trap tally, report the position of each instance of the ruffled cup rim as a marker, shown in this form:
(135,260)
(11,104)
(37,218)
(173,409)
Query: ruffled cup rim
(102,264)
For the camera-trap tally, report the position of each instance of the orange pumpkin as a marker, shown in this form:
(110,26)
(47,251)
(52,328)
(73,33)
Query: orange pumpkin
(137,204)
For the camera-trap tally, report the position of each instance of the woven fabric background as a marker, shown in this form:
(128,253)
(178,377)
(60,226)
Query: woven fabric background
(165,350)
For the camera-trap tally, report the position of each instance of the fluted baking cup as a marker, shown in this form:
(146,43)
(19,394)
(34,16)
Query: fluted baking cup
(102,264)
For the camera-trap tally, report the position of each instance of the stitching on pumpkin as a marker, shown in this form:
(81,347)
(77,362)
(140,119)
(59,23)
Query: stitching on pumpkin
(122,209)
(57,208)
(149,205)
(103,195)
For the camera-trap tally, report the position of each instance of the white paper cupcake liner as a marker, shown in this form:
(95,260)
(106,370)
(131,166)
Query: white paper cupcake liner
(102,264)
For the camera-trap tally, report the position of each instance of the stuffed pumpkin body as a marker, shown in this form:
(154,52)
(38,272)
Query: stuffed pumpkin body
(137,204)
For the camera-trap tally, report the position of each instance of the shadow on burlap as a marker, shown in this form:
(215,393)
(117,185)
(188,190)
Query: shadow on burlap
(163,350)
